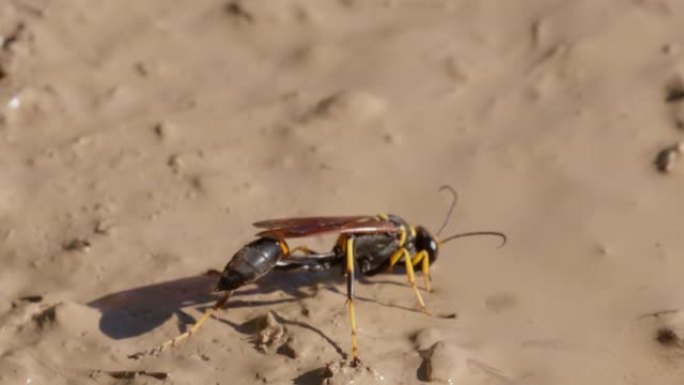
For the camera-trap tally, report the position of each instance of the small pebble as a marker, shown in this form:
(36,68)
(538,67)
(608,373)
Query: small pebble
(677,113)
(160,130)
(271,333)
(142,69)
(426,338)
(31,298)
(667,337)
(45,317)
(343,372)
(674,91)
(77,244)
(14,103)
(665,160)
(103,227)
(671,332)
(175,163)
(445,363)
(355,105)
(7,41)
(235,9)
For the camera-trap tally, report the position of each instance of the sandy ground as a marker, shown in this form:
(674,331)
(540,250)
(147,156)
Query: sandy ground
(140,139)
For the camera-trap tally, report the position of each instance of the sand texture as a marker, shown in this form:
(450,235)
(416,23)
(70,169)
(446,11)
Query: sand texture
(139,140)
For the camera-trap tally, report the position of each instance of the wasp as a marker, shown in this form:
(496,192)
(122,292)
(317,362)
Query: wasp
(368,244)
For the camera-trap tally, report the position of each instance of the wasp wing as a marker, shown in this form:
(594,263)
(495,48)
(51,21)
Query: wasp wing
(307,226)
(281,223)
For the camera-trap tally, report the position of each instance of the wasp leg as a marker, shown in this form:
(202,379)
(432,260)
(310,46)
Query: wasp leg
(426,273)
(172,342)
(394,259)
(349,272)
(412,281)
(422,258)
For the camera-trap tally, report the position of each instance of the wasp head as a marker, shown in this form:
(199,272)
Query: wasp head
(425,241)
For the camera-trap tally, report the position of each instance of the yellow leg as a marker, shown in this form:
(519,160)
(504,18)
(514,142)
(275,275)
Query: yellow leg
(426,273)
(170,343)
(395,258)
(349,251)
(412,281)
(422,258)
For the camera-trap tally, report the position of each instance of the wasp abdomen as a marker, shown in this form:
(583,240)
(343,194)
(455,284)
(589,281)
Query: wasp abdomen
(249,263)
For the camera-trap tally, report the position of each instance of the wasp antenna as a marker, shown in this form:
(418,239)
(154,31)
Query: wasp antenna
(503,237)
(451,207)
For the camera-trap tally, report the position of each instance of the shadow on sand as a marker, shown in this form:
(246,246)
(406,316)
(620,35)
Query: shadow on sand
(133,312)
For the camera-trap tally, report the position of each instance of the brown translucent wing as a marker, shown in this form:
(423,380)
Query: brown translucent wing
(306,226)
(307,221)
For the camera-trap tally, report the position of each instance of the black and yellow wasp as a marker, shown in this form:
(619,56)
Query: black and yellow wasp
(369,244)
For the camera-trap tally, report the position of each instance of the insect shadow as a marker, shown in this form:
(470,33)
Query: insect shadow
(134,312)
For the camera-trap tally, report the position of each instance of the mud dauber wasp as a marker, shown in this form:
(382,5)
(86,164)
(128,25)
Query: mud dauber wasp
(371,244)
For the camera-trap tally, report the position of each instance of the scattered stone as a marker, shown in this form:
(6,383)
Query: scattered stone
(665,160)
(444,363)
(31,298)
(175,163)
(160,130)
(141,69)
(7,41)
(77,244)
(346,104)
(426,338)
(343,372)
(671,331)
(103,227)
(270,335)
(235,9)
(45,317)
(677,114)
(667,337)
(14,103)
(675,91)
(456,70)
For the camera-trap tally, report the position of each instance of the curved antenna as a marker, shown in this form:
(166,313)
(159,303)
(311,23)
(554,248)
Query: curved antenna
(503,237)
(451,207)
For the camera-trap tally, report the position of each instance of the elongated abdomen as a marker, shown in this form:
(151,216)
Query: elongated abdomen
(251,262)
